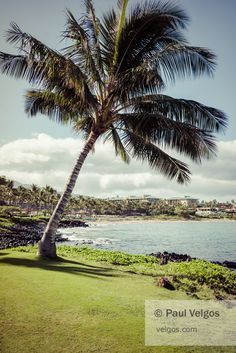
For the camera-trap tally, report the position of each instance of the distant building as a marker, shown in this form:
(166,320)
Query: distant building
(144,198)
(206,211)
(182,201)
(219,210)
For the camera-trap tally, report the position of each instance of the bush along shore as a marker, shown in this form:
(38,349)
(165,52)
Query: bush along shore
(20,231)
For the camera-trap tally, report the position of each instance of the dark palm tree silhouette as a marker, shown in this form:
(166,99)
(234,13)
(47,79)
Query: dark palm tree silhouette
(108,83)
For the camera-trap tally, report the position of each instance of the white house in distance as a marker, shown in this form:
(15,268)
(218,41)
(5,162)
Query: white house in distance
(182,201)
(216,211)
(206,211)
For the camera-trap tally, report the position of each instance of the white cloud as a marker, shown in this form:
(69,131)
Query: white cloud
(43,160)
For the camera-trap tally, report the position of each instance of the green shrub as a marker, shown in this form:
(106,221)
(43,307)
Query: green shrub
(112,257)
(203,272)
(5,224)
(9,211)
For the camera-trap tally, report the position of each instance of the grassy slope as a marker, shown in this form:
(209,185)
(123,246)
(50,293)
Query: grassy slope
(76,306)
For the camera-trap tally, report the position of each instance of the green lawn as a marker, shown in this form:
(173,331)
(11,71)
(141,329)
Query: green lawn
(76,306)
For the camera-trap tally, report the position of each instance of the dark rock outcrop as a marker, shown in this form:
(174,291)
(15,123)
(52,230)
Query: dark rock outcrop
(165,257)
(72,223)
(27,233)
(229,264)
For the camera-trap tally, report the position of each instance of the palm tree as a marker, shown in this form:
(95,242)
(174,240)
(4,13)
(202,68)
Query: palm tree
(25,197)
(35,196)
(49,197)
(108,83)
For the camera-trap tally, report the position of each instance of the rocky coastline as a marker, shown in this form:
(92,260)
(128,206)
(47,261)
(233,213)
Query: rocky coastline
(26,233)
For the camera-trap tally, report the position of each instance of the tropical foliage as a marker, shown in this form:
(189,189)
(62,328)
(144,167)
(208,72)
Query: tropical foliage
(30,198)
(33,200)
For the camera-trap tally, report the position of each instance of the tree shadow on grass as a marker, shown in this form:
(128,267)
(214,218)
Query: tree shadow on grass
(61,259)
(58,266)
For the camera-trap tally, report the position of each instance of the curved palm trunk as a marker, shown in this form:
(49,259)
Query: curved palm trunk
(47,246)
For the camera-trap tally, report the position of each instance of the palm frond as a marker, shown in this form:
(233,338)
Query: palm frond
(144,150)
(19,66)
(113,136)
(178,60)
(122,4)
(184,138)
(56,106)
(147,24)
(143,79)
(147,77)
(50,66)
(94,33)
(181,110)
(108,27)
(81,51)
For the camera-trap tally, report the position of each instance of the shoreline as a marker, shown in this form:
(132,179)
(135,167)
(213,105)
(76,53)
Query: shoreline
(133,219)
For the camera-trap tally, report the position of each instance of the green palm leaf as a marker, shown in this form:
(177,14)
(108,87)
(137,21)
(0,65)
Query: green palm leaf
(122,4)
(94,25)
(47,67)
(81,51)
(148,23)
(57,106)
(184,138)
(120,150)
(181,110)
(144,150)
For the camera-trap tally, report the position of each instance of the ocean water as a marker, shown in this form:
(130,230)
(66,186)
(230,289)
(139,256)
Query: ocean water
(208,240)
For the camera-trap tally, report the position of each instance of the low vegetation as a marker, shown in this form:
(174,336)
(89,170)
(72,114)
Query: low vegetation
(10,216)
(5,224)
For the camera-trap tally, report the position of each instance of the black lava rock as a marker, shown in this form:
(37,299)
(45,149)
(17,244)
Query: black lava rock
(165,257)
(30,233)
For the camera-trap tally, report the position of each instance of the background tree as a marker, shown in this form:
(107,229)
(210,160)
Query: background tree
(108,82)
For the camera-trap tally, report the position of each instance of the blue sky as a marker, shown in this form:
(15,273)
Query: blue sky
(212,25)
